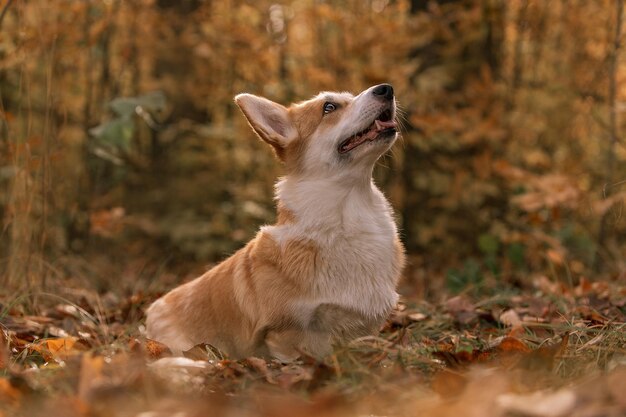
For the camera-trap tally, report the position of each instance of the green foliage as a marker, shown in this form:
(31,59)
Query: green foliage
(516,254)
(116,133)
(489,246)
(154,103)
(115,136)
(470,275)
(578,241)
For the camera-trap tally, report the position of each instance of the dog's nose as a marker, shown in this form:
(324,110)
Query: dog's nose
(384,91)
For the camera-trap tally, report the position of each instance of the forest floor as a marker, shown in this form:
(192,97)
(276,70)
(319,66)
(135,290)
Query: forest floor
(551,350)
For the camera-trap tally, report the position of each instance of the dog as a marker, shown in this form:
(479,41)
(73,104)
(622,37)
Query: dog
(327,271)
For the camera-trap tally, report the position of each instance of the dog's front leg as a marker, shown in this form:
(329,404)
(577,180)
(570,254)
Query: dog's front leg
(343,324)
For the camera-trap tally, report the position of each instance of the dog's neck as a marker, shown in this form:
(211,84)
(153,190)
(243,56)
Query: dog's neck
(327,202)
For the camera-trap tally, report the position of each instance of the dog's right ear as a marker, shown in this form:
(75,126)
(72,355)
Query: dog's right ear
(269,120)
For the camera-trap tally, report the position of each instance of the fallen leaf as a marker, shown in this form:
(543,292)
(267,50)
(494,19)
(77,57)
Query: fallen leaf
(584,287)
(402,317)
(260,366)
(458,304)
(230,369)
(291,374)
(61,345)
(58,348)
(513,345)
(198,352)
(590,313)
(548,287)
(179,362)
(461,309)
(156,350)
(510,318)
(544,356)
(417,316)
(180,371)
(516,331)
(463,358)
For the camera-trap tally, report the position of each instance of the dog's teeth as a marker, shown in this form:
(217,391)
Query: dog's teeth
(377,124)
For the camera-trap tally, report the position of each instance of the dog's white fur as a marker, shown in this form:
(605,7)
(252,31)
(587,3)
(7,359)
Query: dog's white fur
(352,225)
(335,257)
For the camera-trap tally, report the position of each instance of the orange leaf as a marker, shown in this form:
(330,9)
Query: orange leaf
(156,350)
(60,345)
(543,357)
(60,348)
(511,344)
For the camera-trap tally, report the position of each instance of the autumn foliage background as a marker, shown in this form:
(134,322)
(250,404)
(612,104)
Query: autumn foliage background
(126,168)
(120,138)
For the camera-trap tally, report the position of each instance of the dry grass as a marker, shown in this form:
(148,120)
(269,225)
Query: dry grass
(545,354)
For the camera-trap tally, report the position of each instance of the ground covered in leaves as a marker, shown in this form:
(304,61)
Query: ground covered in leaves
(552,351)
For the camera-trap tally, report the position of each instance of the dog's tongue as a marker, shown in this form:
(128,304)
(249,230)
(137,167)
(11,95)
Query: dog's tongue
(380,125)
(376,127)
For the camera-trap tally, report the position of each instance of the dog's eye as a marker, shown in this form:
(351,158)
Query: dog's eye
(329,107)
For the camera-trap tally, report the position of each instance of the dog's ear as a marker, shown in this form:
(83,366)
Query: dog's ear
(269,120)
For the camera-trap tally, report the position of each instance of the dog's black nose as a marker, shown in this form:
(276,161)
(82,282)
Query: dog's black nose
(383,90)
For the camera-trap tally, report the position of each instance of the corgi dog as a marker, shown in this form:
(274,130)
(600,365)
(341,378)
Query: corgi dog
(327,271)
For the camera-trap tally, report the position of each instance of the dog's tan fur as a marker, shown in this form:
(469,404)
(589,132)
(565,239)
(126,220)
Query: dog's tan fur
(248,304)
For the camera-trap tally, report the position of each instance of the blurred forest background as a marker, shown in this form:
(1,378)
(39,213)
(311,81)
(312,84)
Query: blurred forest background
(125,164)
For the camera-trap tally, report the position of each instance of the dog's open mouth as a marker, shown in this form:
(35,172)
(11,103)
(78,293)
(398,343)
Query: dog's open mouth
(382,126)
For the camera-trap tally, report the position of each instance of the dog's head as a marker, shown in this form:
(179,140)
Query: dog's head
(332,132)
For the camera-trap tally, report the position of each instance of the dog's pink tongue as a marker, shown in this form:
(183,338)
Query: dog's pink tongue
(380,125)
(376,128)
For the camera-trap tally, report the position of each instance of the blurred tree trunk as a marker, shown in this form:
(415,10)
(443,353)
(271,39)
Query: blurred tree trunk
(30,192)
(16,209)
(179,6)
(469,62)
(613,129)
(520,24)
(422,5)
(169,61)
(493,15)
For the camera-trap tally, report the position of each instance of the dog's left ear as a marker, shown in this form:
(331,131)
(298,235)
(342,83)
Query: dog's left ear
(269,120)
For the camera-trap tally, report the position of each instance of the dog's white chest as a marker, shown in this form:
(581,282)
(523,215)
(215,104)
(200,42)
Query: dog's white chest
(356,267)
